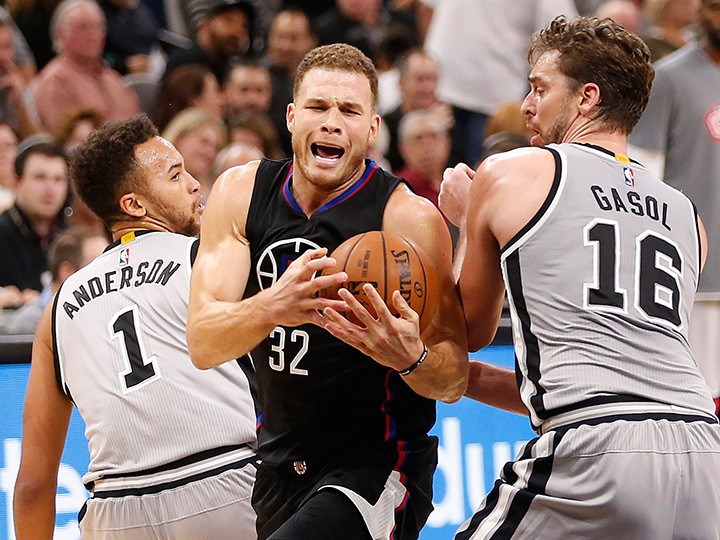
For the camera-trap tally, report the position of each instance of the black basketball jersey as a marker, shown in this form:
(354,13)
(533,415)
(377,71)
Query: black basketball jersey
(321,399)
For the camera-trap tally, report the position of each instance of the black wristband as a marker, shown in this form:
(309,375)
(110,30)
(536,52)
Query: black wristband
(416,365)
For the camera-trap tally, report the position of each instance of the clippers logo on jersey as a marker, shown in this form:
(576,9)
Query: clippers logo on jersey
(629,176)
(712,122)
(277,257)
(125,256)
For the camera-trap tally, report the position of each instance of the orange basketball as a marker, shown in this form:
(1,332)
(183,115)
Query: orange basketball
(389,263)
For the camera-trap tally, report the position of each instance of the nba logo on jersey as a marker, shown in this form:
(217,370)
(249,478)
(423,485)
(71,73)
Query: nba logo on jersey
(629,176)
(125,256)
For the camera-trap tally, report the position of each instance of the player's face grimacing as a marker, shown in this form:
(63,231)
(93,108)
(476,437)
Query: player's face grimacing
(547,107)
(173,195)
(332,122)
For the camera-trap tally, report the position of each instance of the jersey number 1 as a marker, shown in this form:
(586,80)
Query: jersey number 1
(657,274)
(140,368)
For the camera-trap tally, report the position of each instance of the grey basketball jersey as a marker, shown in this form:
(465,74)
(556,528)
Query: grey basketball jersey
(121,355)
(600,285)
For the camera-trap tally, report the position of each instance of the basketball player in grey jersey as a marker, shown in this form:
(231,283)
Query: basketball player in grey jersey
(600,262)
(172,448)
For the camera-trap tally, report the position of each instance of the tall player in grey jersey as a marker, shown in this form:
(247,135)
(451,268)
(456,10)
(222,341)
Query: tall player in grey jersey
(600,262)
(171,447)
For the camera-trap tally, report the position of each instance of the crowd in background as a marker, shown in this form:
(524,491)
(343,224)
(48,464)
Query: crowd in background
(216,76)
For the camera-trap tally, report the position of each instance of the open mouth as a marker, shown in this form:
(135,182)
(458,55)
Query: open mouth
(326,152)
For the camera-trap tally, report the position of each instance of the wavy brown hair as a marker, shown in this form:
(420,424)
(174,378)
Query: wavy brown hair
(600,51)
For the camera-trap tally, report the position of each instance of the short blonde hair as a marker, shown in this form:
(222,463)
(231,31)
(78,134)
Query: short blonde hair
(190,120)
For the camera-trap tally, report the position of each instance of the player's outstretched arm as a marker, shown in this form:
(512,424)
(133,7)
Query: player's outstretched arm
(396,342)
(221,325)
(45,422)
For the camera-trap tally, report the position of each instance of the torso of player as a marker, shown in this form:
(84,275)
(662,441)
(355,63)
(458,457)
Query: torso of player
(121,355)
(600,283)
(319,397)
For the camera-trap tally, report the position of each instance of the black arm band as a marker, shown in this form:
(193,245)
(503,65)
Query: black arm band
(416,365)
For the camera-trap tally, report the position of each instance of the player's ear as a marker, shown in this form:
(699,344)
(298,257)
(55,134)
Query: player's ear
(290,116)
(589,99)
(374,128)
(132,205)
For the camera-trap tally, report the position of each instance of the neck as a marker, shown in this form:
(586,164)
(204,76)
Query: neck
(595,133)
(122,227)
(673,35)
(311,196)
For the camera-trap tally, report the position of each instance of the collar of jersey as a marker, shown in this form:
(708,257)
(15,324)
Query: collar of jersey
(370,168)
(606,151)
(117,242)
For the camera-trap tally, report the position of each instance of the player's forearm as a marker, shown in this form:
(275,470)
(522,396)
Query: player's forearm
(223,331)
(443,375)
(494,386)
(34,510)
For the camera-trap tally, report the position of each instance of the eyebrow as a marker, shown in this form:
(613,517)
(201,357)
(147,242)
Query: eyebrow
(319,100)
(174,166)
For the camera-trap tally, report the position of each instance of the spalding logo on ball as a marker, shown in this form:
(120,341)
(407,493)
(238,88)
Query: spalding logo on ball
(388,262)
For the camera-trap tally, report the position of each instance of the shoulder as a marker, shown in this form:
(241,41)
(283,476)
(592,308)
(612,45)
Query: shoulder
(510,168)
(229,200)
(404,206)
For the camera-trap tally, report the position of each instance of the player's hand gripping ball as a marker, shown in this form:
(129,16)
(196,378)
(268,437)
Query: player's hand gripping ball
(388,262)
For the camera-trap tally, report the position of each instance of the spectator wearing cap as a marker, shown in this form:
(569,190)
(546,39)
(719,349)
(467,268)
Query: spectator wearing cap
(78,78)
(224,35)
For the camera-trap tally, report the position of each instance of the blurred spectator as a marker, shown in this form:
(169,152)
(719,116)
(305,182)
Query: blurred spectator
(508,119)
(23,56)
(396,44)
(672,22)
(481,48)
(361,23)
(257,130)
(70,251)
(234,154)
(78,77)
(8,152)
(13,110)
(30,225)
(289,39)
(248,88)
(624,12)
(33,19)
(680,129)
(424,142)
(198,137)
(75,127)
(131,36)
(418,86)
(191,85)
(224,34)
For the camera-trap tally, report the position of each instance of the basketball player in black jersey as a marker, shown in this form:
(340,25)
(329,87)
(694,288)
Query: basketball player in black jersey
(344,410)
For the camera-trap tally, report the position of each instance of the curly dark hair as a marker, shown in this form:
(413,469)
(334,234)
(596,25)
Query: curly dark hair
(600,51)
(338,57)
(104,166)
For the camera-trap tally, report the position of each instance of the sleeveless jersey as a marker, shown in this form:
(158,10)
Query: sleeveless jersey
(600,285)
(121,355)
(320,398)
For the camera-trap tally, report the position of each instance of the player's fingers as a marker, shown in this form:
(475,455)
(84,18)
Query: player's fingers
(327,281)
(321,304)
(357,308)
(378,304)
(404,309)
